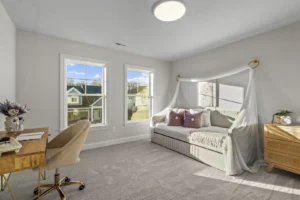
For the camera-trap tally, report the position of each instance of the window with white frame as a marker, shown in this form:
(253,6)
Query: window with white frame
(139,95)
(84,90)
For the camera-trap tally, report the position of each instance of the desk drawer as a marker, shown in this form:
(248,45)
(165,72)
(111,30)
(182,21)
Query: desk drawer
(282,146)
(282,159)
(32,161)
(6,165)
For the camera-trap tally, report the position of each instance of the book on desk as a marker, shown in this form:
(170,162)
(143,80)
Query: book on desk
(30,136)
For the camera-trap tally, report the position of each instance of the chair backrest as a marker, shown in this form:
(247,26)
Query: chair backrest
(73,139)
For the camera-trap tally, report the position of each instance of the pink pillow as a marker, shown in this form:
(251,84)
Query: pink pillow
(192,120)
(175,119)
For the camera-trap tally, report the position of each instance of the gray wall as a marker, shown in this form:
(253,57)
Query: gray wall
(7,59)
(277,77)
(38,80)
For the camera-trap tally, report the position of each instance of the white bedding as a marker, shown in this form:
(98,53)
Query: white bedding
(211,138)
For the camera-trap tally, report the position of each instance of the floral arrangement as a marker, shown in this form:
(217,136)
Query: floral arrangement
(11,109)
(283,112)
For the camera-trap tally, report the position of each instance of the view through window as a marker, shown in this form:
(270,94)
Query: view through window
(139,94)
(85,91)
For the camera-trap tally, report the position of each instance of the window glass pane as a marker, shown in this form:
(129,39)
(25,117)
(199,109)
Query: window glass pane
(87,79)
(231,97)
(94,79)
(138,108)
(89,107)
(75,71)
(207,94)
(137,82)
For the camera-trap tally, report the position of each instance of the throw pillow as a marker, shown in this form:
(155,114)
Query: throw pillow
(175,119)
(192,120)
(218,119)
(205,119)
(176,110)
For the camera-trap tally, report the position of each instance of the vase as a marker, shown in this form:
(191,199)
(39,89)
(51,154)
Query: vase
(286,120)
(13,124)
(277,119)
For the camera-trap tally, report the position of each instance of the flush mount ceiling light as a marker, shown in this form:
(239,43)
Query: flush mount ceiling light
(169,10)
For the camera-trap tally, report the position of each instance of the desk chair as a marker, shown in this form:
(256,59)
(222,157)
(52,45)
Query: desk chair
(64,151)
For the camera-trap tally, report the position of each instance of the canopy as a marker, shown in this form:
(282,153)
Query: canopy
(243,135)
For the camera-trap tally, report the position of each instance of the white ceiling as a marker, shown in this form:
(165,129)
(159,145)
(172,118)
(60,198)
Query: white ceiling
(206,25)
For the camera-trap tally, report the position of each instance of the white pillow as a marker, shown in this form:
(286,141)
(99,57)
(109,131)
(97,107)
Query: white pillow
(177,110)
(205,118)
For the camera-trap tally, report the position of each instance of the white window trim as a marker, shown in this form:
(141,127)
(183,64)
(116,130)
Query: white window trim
(63,89)
(152,98)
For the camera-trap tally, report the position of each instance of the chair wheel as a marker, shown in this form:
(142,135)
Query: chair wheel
(35,192)
(67,179)
(81,187)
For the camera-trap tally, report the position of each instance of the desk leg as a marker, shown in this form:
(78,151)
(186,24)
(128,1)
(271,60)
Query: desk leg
(39,183)
(43,174)
(2,183)
(8,186)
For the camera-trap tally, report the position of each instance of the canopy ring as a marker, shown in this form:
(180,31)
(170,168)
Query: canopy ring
(256,62)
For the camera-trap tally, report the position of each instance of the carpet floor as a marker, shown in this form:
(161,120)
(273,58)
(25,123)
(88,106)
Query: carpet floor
(145,171)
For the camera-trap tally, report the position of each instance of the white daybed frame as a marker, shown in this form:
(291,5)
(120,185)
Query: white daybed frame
(212,158)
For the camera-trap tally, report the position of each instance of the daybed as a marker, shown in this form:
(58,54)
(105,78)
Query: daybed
(231,145)
(205,144)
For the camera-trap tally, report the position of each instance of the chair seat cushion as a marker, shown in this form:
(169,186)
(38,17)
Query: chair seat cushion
(211,138)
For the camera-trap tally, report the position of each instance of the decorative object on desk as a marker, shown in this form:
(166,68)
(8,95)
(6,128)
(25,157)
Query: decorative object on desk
(4,140)
(13,145)
(282,117)
(13,111)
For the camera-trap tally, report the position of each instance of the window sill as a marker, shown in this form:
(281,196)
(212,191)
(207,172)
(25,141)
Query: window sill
(100,127)
(137,123)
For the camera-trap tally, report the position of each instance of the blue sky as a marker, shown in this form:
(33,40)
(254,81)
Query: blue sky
(80,71)
(138,77)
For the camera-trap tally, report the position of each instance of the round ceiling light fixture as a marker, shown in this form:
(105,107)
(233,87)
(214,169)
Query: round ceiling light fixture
(169,10)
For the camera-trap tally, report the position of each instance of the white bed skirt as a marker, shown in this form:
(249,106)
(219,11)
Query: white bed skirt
(206,156)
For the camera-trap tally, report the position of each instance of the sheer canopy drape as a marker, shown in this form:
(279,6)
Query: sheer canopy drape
(242,135)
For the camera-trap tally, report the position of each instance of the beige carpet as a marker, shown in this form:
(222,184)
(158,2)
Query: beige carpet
(145,171)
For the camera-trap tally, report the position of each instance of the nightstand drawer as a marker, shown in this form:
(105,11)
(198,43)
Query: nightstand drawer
(282,146)
(282,159)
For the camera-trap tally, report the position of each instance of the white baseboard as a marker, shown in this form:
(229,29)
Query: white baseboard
(115,141)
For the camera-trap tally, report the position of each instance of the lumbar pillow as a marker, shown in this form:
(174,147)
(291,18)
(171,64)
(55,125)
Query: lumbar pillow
(192,120)
(205,119)
(175,119)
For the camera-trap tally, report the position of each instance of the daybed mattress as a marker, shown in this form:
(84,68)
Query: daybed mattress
(211,138)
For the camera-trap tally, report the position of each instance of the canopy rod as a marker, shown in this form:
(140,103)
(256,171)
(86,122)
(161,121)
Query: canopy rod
(256,62)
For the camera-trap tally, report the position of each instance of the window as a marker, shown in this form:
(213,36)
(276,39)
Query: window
(84,91)
(138,93)
(216,94)
(207,94)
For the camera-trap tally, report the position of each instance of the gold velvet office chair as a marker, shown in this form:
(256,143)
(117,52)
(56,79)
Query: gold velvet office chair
(64,151)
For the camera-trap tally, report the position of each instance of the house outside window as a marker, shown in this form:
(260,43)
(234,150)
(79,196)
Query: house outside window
(84,93)
(139,82)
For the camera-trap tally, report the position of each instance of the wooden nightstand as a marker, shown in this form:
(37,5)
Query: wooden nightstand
(282,147)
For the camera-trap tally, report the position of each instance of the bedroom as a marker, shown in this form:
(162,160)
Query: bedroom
(133,58)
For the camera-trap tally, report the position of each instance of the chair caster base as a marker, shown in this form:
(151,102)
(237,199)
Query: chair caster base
(81,187)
